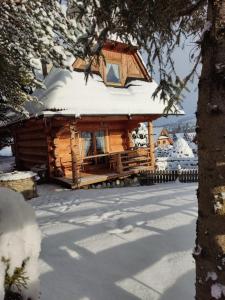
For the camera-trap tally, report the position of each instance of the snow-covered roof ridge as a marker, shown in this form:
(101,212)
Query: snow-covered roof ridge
(69,93)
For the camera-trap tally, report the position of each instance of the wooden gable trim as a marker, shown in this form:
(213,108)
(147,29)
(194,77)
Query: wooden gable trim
(142,67)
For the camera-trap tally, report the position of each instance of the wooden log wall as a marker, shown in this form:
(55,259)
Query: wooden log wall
(60,156)
(30,145)
(49,143)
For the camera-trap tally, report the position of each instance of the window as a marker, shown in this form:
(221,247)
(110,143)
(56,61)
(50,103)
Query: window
(112,73)
(88,147)
(93,142)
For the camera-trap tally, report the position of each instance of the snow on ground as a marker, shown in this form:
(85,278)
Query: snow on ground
(117,244)
(6,151)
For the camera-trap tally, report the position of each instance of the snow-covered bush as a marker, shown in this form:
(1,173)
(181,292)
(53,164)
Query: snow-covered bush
(140,136)
(181,149)
(165,163)
(19,245)
(193,147)
(180,154)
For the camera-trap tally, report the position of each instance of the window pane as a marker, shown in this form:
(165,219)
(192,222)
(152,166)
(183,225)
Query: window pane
(112,73)
(87,143)
(100,142)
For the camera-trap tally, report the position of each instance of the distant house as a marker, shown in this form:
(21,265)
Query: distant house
(162,137)
(81,133)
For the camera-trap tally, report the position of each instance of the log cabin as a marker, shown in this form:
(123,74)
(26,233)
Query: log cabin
(81,132)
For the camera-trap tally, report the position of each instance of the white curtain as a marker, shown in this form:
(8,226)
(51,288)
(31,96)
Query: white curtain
(87,142)
(100,141)
(113,73)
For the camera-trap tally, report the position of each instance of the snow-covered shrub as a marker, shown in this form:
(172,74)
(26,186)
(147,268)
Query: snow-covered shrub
(140,136)
(19,244)
(180,154)
(16,281)
(181,149)
(193,147)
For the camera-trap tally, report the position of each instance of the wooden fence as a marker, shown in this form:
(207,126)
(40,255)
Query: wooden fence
(151,177)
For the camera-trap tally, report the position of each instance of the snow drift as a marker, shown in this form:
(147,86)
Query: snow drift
(19,241)
(6,151)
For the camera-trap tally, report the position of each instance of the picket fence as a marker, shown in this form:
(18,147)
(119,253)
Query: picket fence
(184,176)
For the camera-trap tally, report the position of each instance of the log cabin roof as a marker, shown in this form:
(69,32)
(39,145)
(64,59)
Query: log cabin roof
(67,93)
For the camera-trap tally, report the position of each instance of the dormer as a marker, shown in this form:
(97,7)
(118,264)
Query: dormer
(121,63)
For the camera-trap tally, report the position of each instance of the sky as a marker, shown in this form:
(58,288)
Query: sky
(183,67)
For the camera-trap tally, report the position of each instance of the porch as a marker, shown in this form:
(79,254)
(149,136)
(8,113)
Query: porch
(109,166)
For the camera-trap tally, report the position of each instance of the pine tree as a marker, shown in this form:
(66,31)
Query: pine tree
(34,31)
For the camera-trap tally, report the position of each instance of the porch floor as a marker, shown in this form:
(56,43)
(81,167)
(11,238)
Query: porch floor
(88,178)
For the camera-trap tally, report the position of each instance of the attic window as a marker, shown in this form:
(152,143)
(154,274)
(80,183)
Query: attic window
(113,73)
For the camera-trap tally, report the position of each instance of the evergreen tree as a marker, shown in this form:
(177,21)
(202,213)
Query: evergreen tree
(34,29)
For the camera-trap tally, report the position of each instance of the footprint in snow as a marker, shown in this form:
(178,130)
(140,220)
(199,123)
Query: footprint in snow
(108,214)
(126,229)
(140,223)
(116,223)
(117,200)
(77,202)
(63,208)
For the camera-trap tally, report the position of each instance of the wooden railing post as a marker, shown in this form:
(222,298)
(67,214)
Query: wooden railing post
(151,144)
(119,164)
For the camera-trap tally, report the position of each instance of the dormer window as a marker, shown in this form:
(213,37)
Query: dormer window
(112,73)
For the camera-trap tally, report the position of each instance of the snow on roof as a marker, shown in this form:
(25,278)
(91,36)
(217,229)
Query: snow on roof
(67,93)
(114,37)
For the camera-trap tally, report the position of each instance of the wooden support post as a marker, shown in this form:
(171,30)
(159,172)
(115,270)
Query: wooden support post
(50,152)
(151,144)
(107,140)
(74,143)
(119,164)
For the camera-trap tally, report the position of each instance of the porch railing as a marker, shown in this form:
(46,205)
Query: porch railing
(123,162)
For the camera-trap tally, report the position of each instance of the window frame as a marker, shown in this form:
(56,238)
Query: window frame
(112,62)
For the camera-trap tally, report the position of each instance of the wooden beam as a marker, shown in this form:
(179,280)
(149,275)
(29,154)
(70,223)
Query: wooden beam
(151,144)
(74,144)
(116,118)
(107,145)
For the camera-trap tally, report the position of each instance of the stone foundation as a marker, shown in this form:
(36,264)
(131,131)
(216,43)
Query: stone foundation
(25,185)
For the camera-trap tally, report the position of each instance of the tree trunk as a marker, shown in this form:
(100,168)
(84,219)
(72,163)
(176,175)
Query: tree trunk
(210,242)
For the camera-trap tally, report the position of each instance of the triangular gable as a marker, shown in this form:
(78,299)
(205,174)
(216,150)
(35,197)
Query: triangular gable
(127,56)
